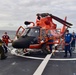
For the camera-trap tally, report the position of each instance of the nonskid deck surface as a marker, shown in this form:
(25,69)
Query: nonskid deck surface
(60,68)
(14,65)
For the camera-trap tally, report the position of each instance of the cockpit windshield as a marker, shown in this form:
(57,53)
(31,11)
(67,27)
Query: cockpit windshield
(32,32)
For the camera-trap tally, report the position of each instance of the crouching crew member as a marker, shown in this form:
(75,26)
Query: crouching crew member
(68,39)
(2,53)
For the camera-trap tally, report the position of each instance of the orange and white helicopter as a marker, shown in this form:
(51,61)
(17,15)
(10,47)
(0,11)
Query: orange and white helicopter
(40,35)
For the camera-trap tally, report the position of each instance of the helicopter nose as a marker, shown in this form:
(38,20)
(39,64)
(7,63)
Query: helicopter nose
(23,42)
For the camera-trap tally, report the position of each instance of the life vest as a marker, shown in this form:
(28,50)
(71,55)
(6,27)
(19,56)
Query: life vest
(5,39)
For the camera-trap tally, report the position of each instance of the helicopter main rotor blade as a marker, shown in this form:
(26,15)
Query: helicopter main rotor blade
(60,20)
(56,18)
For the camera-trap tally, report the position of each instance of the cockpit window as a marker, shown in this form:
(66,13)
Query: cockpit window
(32,32)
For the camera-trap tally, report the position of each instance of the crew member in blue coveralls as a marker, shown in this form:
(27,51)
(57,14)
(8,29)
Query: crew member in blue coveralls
(50,41)
(73,42)
(68,39)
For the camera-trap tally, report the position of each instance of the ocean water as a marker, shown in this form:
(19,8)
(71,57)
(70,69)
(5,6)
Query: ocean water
(10,33)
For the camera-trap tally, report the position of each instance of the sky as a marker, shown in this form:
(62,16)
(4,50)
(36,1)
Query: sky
(13,13)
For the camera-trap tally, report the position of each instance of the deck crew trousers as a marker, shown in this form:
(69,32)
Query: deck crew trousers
(67,48)
(2,54)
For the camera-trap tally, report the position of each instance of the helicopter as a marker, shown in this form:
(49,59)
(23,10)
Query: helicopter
(38,36)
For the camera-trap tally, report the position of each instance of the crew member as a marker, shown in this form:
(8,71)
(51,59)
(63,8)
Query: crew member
(5,39)
(50,41)
(68,39)
(73,42)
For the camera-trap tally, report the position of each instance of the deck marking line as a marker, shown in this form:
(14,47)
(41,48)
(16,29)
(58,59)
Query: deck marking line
(56,59)
(62,59)
(43,64)
(30,57)
(38,58)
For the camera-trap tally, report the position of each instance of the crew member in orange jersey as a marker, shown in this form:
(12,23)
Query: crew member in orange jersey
(5,39)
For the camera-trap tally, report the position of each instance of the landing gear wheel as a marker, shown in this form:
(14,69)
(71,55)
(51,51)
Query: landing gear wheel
(45,49)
